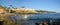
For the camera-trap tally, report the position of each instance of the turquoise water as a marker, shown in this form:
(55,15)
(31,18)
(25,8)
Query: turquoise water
(31,19)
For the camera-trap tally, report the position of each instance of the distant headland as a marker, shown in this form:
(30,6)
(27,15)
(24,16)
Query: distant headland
(22,10)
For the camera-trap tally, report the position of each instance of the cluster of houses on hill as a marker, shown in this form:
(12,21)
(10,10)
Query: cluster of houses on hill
(22,10)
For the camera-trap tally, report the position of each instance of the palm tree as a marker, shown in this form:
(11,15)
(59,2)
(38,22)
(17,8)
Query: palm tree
(10,5)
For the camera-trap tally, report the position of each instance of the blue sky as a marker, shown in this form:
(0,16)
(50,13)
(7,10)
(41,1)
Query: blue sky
(49,5)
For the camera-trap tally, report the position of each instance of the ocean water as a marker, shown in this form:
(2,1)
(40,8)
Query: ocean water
(31,19)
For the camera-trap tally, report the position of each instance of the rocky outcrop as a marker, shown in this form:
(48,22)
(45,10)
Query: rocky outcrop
(3,10)
(6,20)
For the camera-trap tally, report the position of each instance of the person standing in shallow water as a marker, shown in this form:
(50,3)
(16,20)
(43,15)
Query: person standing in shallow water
(36,23)
(48,23)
